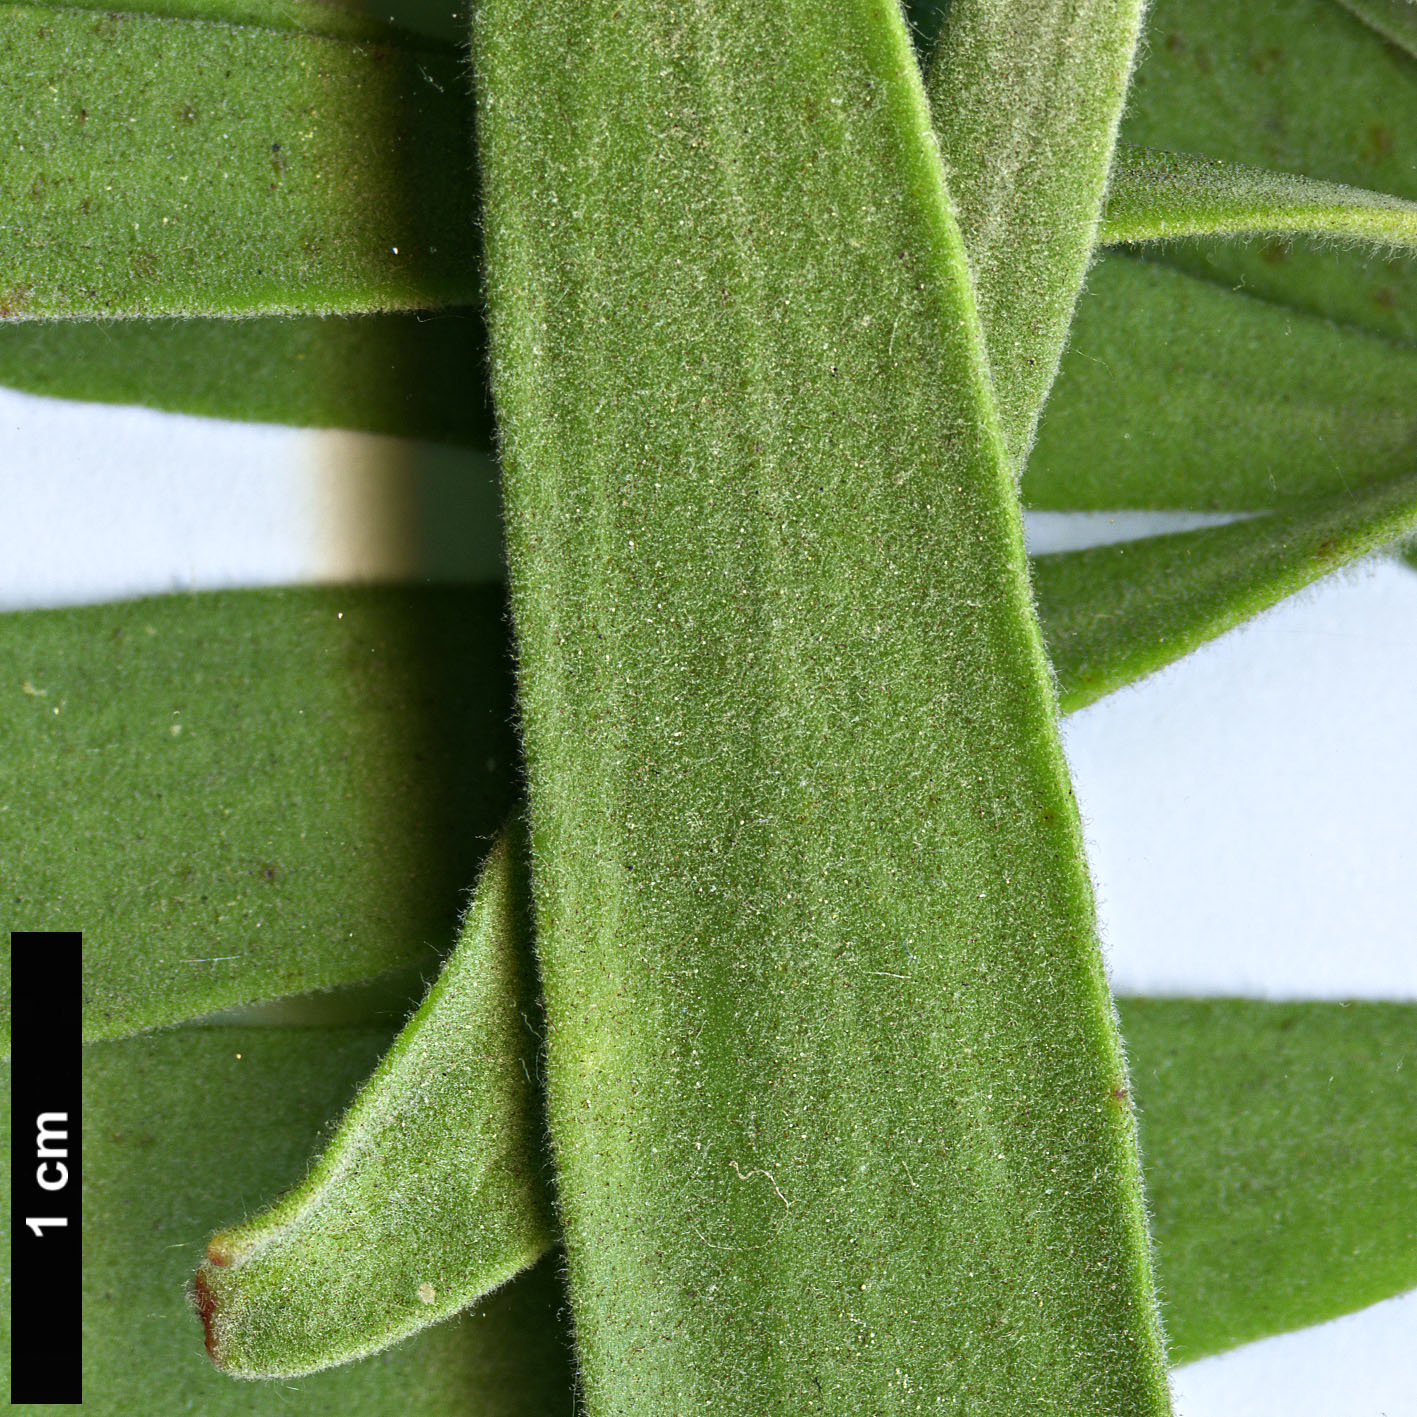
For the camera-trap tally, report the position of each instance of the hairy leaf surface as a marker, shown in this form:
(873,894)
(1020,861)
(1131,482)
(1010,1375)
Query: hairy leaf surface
(1278,1141)
(162,166)
(1026,96)
(832,1079)
(250,810)
(1297,86)
(427,1197)
(1115,613)
(185,1128)
(1158,196)
(1177,393)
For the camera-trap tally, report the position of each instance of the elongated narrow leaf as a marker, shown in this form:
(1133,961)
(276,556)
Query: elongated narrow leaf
(1395,20)
(1158,196)
(264,792)
(428,1195)
(1177,393)
(1115,613)
(330,18)
(1296,86)
(1278,1141)
(404,374)
(1026,97)
(162,166)
(185,1128)
(837,1106)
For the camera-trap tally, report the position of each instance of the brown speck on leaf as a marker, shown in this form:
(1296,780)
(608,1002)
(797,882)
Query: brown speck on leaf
(204,1302)
(1275,253)
(1265,60)
(15,300)
(1386,297)
(1380,140)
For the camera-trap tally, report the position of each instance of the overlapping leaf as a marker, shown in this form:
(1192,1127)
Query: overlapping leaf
(187,1128)
(830,1070)
(430,1193)
(1159,196)
(1115,613)
(1026,96)
(1297,86)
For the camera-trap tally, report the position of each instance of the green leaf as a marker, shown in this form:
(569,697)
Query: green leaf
(1393,19)
(428,1196)
(832,1077)
(251,806)
(1178,394)
(403,374)
(1115,613)
(1157,196)
(1297,86)
(163,166)
(182,1130)
(330,18)
(1278,1141)
(1026,97)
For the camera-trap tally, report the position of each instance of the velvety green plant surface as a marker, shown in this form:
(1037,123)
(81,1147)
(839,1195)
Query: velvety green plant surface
(186,1129)
(1299,86)
(1026,96)
(430,1194)
(1114,613)
(267,843)
(1155,196)
(1277,1139)
(730,686)
(160,166)
(804,855)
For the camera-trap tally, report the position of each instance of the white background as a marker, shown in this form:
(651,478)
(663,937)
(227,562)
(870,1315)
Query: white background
(1251,812)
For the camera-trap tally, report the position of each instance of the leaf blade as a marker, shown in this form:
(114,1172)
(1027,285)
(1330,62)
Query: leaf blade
(1158,196)
(426,1198)
(1275,1136)
(1179,394)
(309,170)
(315,821)
(148,1112)
(716,771)
(1113,614)
(1026,100)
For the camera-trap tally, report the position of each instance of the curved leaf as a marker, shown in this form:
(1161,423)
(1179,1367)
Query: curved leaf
(1296,86)
(1115,613)
(1158,196)
(427,1197)
(163,166)
(1026,96)
(831,1069)
(184,1128)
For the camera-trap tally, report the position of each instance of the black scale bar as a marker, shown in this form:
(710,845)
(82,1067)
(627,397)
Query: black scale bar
(46,1337)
